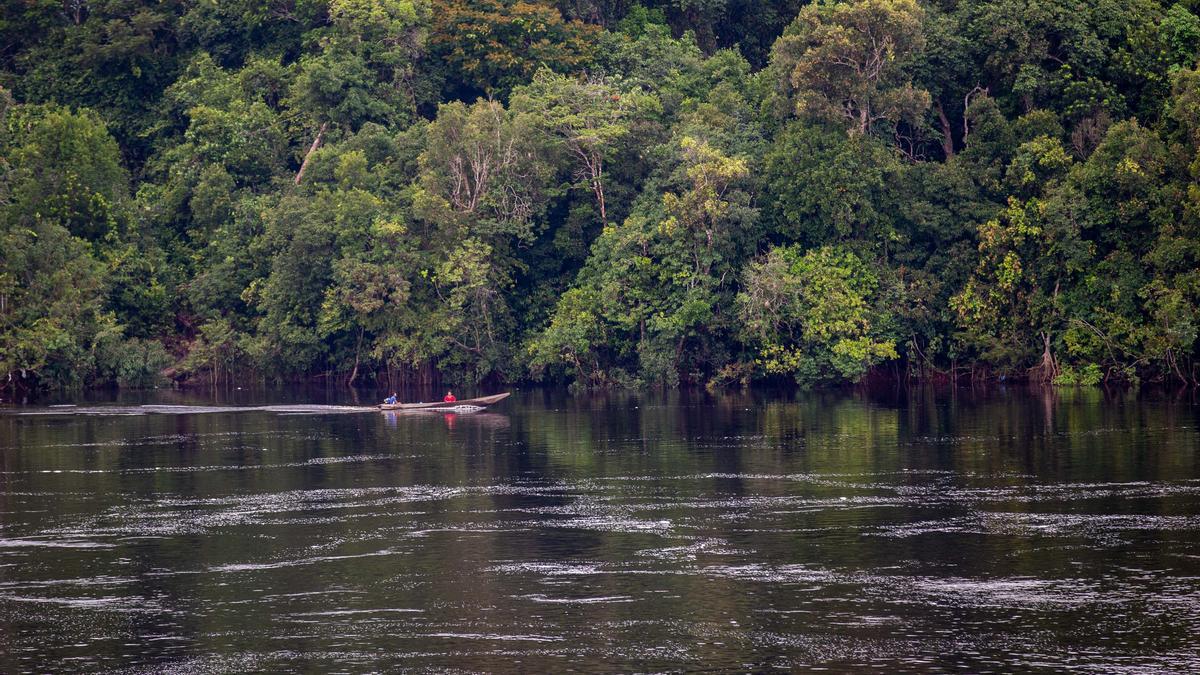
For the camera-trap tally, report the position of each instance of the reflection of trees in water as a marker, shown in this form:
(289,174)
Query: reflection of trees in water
(727,495)
(1021,430)
(468,420)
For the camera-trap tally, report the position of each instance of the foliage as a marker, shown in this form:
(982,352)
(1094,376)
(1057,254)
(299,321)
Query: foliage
(1089,375)
(65,167)
(825,186)
(814,315)
(850,62)
(588,118)
(606,192)
(491,46)
(64,199)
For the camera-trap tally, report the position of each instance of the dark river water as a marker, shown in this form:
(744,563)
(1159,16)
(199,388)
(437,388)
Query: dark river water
(975,532)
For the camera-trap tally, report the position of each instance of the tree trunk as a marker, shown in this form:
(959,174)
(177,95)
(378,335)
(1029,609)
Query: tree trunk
(1174,363)
(600,198)
(315,145)
(967,107)
(357,352)
(596,167)
(947,136)
(1048,368)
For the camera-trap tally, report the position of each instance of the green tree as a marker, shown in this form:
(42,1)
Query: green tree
(483,171)
(1011,308)
(492,46)
(852,62)
(370,291)
(1172,295)
(52,292)
(65,167)
(588,118)
(813,316)
(823,186)
(663,277)
(577,336)
(112,56)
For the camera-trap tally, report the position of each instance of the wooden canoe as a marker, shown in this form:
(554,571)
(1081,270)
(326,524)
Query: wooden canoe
(481,402)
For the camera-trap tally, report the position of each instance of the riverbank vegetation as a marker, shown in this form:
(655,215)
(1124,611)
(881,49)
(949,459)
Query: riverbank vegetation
(599,191)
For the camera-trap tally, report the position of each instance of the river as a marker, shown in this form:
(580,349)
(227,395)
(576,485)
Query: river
(924,531)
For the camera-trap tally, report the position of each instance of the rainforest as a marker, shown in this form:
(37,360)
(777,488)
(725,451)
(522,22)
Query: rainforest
(598,192)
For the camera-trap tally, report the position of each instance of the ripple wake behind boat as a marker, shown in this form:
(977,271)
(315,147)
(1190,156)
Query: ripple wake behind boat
(160,409)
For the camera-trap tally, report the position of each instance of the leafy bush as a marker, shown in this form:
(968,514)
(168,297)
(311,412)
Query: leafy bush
(1088,376)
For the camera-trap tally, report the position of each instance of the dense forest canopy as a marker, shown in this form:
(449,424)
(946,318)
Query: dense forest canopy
(599,191)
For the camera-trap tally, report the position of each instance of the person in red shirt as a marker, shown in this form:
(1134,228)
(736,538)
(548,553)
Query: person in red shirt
(449,398)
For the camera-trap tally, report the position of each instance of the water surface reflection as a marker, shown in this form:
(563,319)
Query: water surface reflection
(993,532)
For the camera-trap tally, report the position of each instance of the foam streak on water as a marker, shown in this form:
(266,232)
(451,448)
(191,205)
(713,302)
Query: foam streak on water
(651,535)
(100,411)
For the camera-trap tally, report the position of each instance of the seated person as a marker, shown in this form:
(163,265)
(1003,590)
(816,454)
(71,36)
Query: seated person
(449,398)
(391,399)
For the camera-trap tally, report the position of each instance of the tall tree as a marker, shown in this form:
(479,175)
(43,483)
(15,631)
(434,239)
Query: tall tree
(853,61)
(588,117)
(491,46)
(813,316)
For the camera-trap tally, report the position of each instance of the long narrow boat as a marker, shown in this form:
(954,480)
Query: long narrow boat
(469,403)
